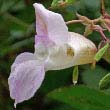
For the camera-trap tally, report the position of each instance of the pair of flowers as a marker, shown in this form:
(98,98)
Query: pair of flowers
(55,48)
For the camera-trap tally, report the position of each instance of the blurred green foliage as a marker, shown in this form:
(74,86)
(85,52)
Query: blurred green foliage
(81,98)
(17,30)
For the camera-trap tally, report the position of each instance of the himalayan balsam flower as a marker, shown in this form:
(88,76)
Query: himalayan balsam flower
(55,48)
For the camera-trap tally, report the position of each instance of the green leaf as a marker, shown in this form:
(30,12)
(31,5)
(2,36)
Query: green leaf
(75,75)
(105,82)
(101,52)
(106,56)
(7,5)
(56,79)
(69,1)
(91,77)
(81,98)
(54,105)
(14,47)
(56,2)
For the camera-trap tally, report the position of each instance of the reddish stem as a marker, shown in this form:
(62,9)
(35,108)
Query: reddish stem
(103,35)
(74,21)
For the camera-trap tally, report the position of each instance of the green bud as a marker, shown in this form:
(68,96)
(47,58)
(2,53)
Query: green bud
(105,81)
(101,52)
(75,75)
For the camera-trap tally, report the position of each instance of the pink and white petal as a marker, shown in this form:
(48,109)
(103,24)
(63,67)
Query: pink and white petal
(84,49)
(26,56)
(25,80)
(51,25)
(81,51)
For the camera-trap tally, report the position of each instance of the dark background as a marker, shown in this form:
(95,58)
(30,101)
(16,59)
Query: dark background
(17,30)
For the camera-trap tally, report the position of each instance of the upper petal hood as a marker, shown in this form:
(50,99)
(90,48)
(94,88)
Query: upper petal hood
(50,24)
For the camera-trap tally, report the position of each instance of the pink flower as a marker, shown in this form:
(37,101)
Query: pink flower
(55,48)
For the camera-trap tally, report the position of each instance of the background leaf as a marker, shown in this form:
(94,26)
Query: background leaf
(17,31)
(81,98)
(105,82)
(101,52)
(91,77)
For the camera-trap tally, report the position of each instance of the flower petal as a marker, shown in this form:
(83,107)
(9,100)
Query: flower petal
(26,56)
(79,50)
(84,49)
(25,80)
(51,25)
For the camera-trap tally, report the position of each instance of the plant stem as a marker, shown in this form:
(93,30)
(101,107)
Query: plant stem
(74,21)
(103,35)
